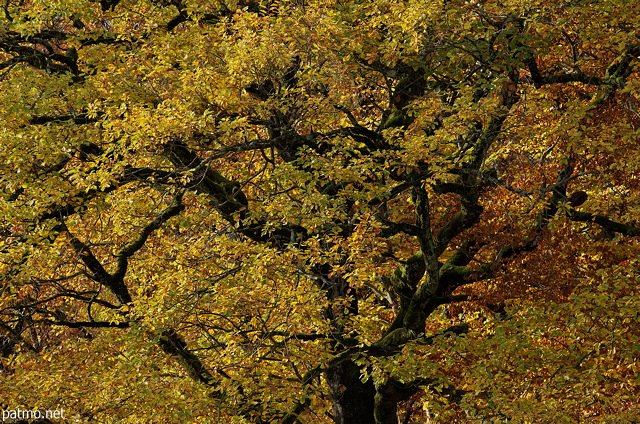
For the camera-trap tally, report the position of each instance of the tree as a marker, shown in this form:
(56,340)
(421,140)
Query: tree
(309,211)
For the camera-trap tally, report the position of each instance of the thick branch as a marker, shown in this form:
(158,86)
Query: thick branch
(559,190)
(226,195)
(172,344)
(84,324)
(99,274)
(604,222)
(620,68)
(130,248)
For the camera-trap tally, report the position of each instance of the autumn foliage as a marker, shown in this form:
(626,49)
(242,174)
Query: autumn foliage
(319,211)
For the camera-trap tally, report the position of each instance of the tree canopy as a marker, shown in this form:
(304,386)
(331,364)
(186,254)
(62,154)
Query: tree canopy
(320,211)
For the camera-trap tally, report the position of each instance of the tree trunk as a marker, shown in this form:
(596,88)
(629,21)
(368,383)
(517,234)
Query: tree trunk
(353,400)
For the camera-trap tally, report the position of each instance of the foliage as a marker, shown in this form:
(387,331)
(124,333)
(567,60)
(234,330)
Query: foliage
(320,211)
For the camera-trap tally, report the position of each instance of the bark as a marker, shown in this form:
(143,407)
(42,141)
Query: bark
(353,400)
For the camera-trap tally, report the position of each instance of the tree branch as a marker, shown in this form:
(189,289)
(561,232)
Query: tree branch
(132,247)
(604,222)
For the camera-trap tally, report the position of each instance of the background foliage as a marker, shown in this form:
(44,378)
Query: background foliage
(320,211)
